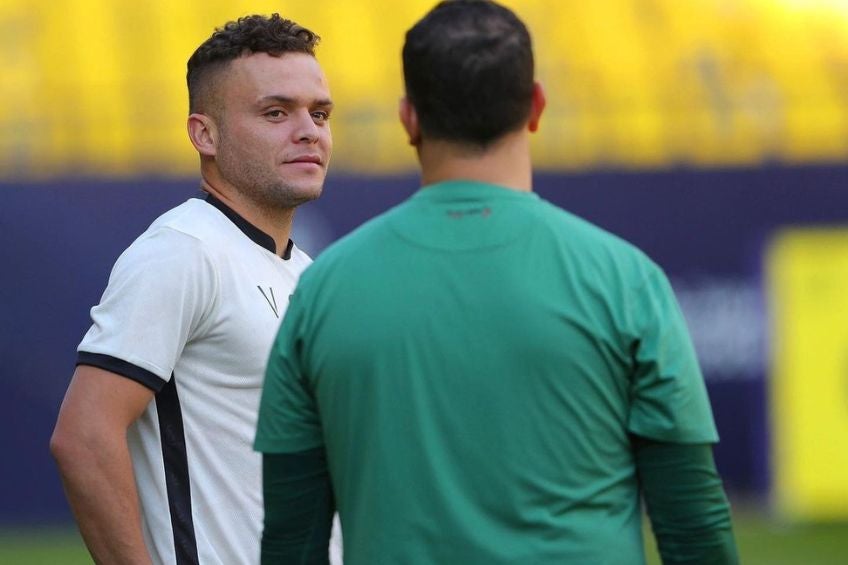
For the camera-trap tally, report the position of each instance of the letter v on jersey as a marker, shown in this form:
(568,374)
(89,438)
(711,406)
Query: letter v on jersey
(272,301)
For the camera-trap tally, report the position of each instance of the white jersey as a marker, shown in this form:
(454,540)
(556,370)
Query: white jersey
(191,310)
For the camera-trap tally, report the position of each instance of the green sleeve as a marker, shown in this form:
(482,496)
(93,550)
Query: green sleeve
(669,400)
(686,503)
(299,508)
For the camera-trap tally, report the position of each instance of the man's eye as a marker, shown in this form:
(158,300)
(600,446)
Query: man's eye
(275,114)
(320,116)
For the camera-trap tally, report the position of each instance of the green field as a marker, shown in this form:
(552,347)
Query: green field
(761,542)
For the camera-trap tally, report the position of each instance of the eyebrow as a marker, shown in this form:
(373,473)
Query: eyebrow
(288,100)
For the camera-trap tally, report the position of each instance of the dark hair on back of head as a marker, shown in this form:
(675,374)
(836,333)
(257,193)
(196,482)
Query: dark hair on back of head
(468,71)
(249,34)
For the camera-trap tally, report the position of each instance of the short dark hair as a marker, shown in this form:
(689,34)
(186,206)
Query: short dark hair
(468,70)
(250,34)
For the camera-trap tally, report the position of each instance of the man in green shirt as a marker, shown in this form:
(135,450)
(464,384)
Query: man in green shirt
(477,376)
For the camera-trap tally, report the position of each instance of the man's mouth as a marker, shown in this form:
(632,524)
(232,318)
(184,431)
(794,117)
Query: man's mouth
(315,159)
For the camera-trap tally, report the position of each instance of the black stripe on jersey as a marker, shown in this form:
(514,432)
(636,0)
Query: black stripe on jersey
(258,236)
(121,367)
(172,434)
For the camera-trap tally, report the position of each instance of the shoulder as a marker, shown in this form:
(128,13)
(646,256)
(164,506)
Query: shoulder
(176,242)
(350,248)
(587,242)
(348,262)
(195,219)
(198,227)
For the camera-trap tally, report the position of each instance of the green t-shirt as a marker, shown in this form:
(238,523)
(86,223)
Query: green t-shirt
(473,362)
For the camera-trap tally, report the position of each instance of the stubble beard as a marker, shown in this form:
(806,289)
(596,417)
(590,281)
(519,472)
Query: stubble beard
(279,195)
(263,188)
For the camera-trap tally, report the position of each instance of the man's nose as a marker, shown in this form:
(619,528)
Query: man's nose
(306,130)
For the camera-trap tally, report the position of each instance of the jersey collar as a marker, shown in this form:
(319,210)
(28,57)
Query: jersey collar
(258,236)
(461,190)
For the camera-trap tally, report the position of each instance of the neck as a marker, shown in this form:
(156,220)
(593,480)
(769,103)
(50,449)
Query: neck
(505,163)
(276,222)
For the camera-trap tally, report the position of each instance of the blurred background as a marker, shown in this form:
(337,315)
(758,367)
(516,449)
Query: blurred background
(713,134)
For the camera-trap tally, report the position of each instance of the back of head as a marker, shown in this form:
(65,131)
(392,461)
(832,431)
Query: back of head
(250,34)
(468,69)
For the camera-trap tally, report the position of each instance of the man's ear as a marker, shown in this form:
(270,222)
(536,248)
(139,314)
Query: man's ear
(409,119)
(537,106)
(203,133)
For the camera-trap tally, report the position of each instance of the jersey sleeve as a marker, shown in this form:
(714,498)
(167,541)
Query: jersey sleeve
(288,413)
(669,400)
(160,291)
(686,503)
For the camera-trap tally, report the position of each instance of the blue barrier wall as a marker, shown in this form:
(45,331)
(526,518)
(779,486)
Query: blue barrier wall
(707,229)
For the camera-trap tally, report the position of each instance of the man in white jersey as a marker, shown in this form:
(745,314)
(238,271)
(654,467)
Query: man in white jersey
(153,440)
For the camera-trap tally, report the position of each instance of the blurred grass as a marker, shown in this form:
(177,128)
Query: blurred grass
(39,546)
(761,540)
(764,540)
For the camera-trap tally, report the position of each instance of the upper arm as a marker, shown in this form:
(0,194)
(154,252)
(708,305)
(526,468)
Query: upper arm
(98,402)
(159,296)
(669,400)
